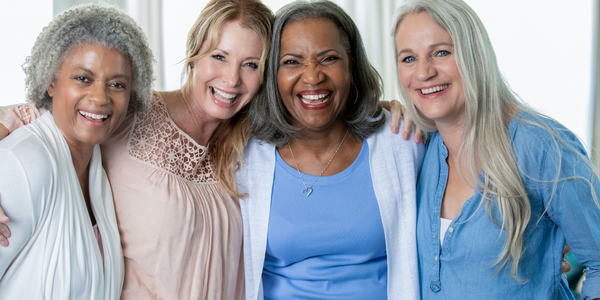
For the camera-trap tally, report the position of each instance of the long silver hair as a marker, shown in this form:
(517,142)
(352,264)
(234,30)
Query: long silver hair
(490,104)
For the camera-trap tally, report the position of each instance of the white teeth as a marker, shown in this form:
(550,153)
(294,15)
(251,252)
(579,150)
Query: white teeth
(93,116)
(434,89)
(314,97)
(305,98)
(224,97)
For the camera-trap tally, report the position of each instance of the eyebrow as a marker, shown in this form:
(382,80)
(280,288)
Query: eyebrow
(300,56)
(227,53)
(112,77)
(431,46)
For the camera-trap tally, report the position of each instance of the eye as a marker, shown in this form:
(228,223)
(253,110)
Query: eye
(289,62)
(409,59)
(251,65)
(218,57)
(82,79)
(442,53)
(330,58)
(118,85)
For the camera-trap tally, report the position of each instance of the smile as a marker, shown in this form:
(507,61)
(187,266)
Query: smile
(311,99)
(223,96)
(92,116)
(434,89)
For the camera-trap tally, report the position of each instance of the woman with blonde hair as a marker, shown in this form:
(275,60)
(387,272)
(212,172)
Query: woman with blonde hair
(172,168)
(502,187)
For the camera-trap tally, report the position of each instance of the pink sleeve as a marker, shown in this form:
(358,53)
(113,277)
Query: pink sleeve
(15,116)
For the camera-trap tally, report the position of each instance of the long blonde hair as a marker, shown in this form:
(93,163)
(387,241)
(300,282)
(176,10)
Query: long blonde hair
(489,104)
(226,146)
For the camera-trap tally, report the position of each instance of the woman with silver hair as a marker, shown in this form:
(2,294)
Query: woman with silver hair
(502,186)
(172,167)
(88,68)
(330,206)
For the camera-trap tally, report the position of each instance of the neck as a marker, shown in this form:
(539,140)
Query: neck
(313,151)
(190,117)
(322,141)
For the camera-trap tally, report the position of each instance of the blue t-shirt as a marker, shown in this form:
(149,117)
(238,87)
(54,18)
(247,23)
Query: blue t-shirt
(464,266)
(330,245)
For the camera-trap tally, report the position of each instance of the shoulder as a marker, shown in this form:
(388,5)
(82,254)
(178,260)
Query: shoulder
(29,150)
(539,134)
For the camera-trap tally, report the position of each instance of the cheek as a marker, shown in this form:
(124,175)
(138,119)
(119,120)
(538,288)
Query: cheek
(285,81)
(403,74)
(252,81)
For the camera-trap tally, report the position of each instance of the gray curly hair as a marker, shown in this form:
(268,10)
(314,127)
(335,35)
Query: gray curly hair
(100,24)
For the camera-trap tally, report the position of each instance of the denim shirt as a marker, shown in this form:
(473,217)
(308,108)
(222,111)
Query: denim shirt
(464,268)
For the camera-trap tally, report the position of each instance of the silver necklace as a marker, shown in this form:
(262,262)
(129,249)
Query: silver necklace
(309,189)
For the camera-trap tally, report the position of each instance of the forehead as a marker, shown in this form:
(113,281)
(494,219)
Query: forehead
(311,32)
(419,29)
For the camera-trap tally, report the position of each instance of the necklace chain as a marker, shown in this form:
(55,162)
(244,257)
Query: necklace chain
(309,189)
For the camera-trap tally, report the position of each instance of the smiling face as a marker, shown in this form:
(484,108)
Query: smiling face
(314,73)
(227,78)
(427,68)
(91,94)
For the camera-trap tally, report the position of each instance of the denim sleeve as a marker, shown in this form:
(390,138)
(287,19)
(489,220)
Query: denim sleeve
(570,195)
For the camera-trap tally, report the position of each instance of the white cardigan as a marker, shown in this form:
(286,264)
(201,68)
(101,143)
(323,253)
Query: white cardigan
(53,253)
(394,164)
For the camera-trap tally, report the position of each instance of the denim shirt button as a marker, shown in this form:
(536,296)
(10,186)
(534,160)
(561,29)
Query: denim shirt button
(435,286)
(436,257)
(451,229)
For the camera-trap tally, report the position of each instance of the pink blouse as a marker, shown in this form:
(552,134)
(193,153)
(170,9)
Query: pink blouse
(181,234)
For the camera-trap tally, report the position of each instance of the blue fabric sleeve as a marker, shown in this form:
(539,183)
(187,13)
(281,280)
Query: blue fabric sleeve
(570,203)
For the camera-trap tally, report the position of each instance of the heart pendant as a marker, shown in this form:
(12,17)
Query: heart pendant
(307,191)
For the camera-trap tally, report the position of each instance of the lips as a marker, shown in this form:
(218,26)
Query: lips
(93,117)
(316,99)
(434,89)
(223,96)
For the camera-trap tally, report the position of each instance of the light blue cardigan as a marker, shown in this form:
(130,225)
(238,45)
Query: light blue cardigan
(395,164)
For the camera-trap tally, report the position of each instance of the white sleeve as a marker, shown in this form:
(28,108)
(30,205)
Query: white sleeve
(15,199)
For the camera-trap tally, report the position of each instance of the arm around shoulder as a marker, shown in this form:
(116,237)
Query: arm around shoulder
(15,116)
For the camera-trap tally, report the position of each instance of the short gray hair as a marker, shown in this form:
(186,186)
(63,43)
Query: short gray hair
(89,24)
(269,120)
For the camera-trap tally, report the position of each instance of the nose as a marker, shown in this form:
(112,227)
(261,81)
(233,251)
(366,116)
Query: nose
(231,76)
(313,74)
(99,94)
(425,69)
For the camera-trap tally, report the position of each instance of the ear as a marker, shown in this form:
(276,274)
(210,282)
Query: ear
(51,89)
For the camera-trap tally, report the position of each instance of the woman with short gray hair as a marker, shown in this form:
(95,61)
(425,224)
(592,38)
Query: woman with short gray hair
(88,68)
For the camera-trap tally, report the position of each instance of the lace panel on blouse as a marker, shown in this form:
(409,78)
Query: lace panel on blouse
(25,113)
(156,140)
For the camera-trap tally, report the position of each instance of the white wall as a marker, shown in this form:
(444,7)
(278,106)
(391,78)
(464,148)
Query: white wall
(543,48)
(20,24)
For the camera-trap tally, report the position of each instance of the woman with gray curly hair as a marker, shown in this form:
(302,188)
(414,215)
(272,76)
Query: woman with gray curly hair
(330,210)
(88,68)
